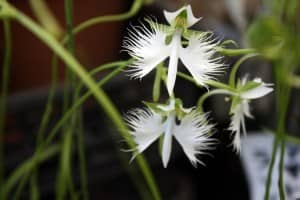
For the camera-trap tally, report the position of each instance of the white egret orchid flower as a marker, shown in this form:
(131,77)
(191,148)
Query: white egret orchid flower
(192,132)
(151,47)
(240,106)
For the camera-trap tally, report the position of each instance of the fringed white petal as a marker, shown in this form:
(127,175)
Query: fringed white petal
(147,47)
(238,122)
(193,135)
(191,19)
(146,127)
(198,59)
(236,143)
(235,127)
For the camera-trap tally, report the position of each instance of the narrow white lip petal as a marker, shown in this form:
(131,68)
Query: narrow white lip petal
(198,59)
(257,92)
(192,135)
(191,19)
(173,62)
(146,127)
(167,143)
(147,47)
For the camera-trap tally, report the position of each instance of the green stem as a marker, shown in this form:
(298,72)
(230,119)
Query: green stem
(136,6)
(209,82)
(271,167)
(64,178)
(43,125)
(67,115)
(208,94)
(281,185)
(98,93)
(282,100)
(157,83)
(234,52)
(4,94)
(77,104)
(294,81)
(46,17)
(28,166)
(232,76)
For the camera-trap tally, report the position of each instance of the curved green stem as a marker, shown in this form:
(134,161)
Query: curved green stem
(46,17)
(211,93)
(98,93)
(28,166)
(137,4)
(14,177)
(236,66)
(4,94)
(209,82)
(234,52)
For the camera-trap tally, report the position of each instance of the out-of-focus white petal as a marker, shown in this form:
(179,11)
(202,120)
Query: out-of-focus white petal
(246,108)
(257,92)
(238,122)
(198,59)
(173,62)
(191,19)
(147,47)
(146,127)
(236,143)
(167,143)
(193,135)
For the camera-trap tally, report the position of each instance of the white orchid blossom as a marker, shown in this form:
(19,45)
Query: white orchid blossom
(240,106)
(192,132)
(151,47)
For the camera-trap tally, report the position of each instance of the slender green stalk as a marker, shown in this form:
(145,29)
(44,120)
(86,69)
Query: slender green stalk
(28,166)
(34,191)
(136,6)
(77,104)
(157,83)
(282,100)
(4,93)
(82,159)
(46,17)
(281,185)
(234,52)
(236,66)
(271,167)
(98,93)
(294,81)
(64,178)
(209,82)
(211,93)
(12,179)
